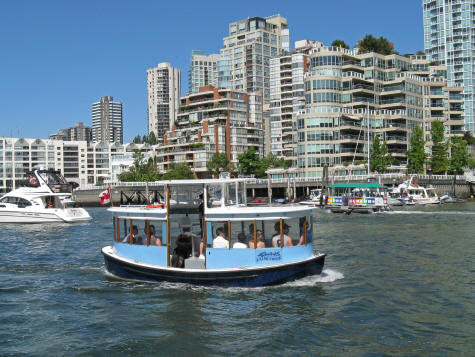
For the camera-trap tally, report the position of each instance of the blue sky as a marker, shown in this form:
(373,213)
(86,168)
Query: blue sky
(58,57)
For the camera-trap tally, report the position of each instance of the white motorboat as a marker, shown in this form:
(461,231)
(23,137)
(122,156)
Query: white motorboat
(46,198)
(412,193)
(314,198)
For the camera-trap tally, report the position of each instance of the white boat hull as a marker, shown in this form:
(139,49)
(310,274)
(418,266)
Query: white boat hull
(22,215)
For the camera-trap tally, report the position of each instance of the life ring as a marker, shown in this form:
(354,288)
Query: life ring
(156,206)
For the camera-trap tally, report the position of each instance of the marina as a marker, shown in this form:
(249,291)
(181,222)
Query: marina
(396,283)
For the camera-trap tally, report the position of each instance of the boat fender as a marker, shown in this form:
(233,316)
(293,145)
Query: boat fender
(156,206)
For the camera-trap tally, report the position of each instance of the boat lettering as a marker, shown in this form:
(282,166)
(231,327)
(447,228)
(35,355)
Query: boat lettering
(269,256)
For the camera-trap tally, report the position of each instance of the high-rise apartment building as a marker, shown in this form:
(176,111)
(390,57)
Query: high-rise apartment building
(78,132)
(449,40)
(215,120)
(203,70)
(163,96)
(107,121)
(287,97)
(246,53)
(349,99)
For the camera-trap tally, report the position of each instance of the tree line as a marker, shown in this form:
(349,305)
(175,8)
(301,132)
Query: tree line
(249,163)
(447,156)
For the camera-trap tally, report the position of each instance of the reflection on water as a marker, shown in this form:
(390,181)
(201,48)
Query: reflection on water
(397,283)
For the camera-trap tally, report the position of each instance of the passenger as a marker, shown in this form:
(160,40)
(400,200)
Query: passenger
(220,241)
(32,181)
(154,240)
(241,241)
(182,251)
(260,240)
(185,225)
(250,235)
(303,222)
(285,231)
(133,238)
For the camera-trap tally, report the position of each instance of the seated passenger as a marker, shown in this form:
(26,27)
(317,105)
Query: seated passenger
(241,241)
(260,240)
(154,240)
(285,231)
(220,241)
(250,235)
(133,238)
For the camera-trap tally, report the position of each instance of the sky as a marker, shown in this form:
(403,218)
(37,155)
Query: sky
(58,57)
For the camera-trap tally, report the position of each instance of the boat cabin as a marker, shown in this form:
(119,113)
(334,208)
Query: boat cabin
(358,195)
(213,229)
(50,179)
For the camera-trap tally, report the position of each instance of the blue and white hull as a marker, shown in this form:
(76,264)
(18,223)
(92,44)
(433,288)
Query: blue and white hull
(231,277)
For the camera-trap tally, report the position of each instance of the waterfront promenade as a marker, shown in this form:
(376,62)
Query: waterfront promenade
(281,187)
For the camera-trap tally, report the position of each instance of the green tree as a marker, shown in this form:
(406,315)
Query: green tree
(380,158)
(416,155)
(141,170)
(460,157)
(269,162)
(152,139)
(218,163)
(372,44)
(248,162)
(439,159)
(340,43)
(178,172)
(137,139)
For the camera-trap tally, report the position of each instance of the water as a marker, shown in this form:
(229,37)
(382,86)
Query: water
(394,284)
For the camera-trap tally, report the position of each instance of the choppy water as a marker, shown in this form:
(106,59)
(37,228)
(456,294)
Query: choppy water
(394,284)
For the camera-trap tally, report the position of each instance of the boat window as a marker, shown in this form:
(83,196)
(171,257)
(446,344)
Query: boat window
(214,194)
(12,200)
(290,228)
(22,203)
(130,232)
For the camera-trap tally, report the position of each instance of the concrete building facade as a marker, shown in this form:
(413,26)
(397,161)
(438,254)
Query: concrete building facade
(246,53)
(211,121)
(203,70)
(107,122)
(78,132)
(449,40)
(163,97)
(350,98)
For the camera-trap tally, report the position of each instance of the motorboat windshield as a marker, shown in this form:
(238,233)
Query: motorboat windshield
(53,179)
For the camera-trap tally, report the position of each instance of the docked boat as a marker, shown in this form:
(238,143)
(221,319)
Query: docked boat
(411,193)
(358,197)
(316,198)
(232,244)
(45,198)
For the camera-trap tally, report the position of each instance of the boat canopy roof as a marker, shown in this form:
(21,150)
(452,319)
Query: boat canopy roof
(357,185)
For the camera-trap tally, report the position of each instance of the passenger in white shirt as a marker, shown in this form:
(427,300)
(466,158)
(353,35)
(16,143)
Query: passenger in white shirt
(241,243)
(220,241)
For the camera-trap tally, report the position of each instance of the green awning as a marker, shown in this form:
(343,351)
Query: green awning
(357,185)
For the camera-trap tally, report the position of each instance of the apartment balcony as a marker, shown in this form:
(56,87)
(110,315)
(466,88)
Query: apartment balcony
(396,139)
(459,122)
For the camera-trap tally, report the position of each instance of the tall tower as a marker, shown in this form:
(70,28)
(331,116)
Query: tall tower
(163,96)
(203,71)
(107,121)
(246,53)
(450,41)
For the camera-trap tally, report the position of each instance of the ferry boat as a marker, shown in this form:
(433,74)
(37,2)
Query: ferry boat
(358,197)
(228,245)
(45,198)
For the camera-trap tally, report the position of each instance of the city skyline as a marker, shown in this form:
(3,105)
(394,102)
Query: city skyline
(59,58)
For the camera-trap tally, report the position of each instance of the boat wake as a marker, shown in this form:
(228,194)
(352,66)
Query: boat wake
(327,276)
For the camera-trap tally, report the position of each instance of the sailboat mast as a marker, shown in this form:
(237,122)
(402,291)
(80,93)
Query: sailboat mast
(367,111)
